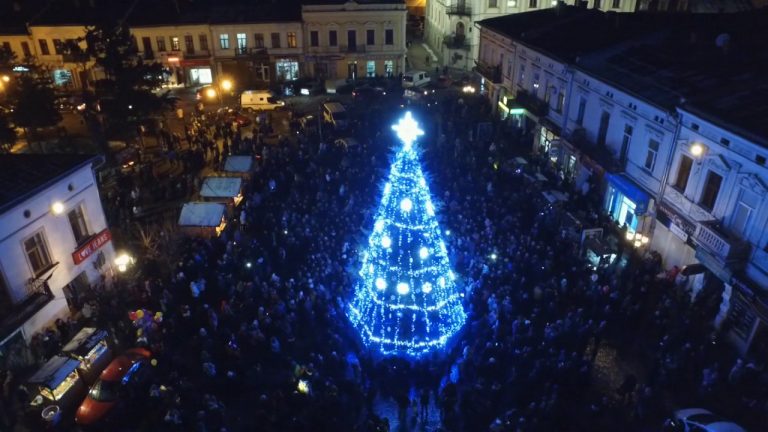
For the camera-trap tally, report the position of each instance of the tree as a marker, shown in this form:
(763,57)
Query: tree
(34,103)
(7,133)
(406,300)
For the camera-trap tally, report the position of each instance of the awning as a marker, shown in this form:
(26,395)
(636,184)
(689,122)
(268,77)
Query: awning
(629,189)
(84,341)
(221,187)
(201,214)
(241,164)
(54,372)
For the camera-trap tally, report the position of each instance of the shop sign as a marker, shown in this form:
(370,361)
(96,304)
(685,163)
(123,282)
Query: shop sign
(94,244)
(676,230)
(677,224)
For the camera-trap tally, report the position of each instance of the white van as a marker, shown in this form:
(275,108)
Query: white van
(335,114)
(257,100)
(415,79)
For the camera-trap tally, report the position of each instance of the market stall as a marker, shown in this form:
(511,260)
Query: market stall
(205,219)
(227,190)
(239,165)
(90,347)
(57,383)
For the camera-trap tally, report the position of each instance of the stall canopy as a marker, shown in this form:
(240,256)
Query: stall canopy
(238,164)
(221,187)
(629,189)
(84,341)
(201,214)
(54,372)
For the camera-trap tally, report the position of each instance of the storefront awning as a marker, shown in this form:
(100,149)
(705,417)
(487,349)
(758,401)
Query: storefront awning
(629,189)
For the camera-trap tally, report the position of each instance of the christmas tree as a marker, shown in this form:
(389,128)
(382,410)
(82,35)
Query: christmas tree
(406,300)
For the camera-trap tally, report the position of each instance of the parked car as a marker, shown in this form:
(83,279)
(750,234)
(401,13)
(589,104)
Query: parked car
(126,376)
(232,115)
(304,87)
(366,94)
(699,420)
(207,94)
(415,79)
(336,115)
(443,81)
(260,100)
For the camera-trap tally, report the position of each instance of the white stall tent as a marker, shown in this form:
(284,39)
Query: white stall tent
(238,164)
(222,188)
(208,217)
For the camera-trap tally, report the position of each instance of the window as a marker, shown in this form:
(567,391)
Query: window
(25,49)
(745,209)
(389,37)
(175,44)
(352,39)
(58,47)
(291,40)
(189,44)
(259,38)
(625,141)
(314,38)
(224,41)
(370,37)
(532,4)
(77,222)
(44,50)
(616,4)
(332,38)
(7,47)
(242,43)
(370,69)
(521,77)
(711,190)
(203,39)
(683,172)
(146,44)
(37,253)
(493,3)
(275,40)
(580,113)
(548,94)
(512,3)
(389,68)
(602,131)
(560,101)
(650,157)
(160,43)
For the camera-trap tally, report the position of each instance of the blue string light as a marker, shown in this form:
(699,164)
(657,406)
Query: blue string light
(406,300)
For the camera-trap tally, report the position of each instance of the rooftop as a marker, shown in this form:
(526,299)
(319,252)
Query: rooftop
(23,175)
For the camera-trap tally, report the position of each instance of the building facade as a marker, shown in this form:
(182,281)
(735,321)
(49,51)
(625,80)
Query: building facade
(183,50)
(354,40)
(54,243)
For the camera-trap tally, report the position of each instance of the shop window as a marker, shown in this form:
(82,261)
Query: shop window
(275,40)
(651,155)
(332,38)
(683,173)
(77,221)
(203,39)
(160,43)
(711,190)
(389,37)
(314,38)
(36,249)
(744,211)
(287,70)
(389,68)
(259,38)
(370,37)
(370,69)
(224,41)
(291,40)
(44,50)
(175,44)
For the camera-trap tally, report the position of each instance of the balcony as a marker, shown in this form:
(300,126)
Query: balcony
(197,54)
(14,315)
(352,48)
(728,249)
(491,73)
(460,8)
(531,103)
(454,41)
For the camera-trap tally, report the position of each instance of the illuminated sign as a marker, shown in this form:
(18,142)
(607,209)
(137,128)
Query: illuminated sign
(94,244)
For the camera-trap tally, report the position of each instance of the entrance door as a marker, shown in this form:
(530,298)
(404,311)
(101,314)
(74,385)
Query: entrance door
(352,70)
(74,291)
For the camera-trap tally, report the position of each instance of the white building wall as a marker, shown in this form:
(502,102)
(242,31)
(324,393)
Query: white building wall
(15,227)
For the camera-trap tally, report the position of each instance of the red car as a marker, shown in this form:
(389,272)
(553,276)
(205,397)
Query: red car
(121,378)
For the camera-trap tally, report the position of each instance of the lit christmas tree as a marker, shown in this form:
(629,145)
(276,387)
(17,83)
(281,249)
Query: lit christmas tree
(406,300)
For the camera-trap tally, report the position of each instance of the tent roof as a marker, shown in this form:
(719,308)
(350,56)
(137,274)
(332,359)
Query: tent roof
(217,187)
(238,164)
(54,371)
(201,214)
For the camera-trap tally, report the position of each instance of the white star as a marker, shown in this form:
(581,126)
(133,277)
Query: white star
(407,130)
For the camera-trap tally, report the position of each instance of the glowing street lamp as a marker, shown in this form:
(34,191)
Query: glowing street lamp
(226,85)
(57,208)
(697,150)
(123,261)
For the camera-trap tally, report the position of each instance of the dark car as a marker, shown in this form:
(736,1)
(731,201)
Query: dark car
(231,115)
(366,94)
(124,378)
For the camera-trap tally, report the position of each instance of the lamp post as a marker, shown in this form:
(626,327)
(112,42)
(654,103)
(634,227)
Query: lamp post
(225,86)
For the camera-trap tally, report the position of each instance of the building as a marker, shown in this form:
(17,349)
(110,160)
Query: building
(678,145)
(350,40)
(14,36)
(450,24)
(257,46)
(54,242)
(178,36)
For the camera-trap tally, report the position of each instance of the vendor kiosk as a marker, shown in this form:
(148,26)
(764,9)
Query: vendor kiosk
(90,347)
(227,190)
(239,165)
(204,219)
(57,383)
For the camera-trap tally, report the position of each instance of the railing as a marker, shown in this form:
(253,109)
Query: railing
(491,73)
(38,295)
(352,48)
(578,138)
(460,8)
(197,54)
(710,236)
(454,41)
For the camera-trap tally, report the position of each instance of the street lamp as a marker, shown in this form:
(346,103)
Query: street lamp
(697,149)
(123,261)
(57,208)
(226,84)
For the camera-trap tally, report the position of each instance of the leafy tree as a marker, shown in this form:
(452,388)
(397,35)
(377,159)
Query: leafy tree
(34,103)
(7,133)
(7,59)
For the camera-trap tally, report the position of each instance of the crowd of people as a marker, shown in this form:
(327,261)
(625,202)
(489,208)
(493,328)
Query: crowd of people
(254,336)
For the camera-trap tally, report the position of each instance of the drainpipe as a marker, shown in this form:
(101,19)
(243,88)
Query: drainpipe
(667,165)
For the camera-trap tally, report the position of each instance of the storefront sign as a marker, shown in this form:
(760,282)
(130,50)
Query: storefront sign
(92,246)
(680,224)
(676,230)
